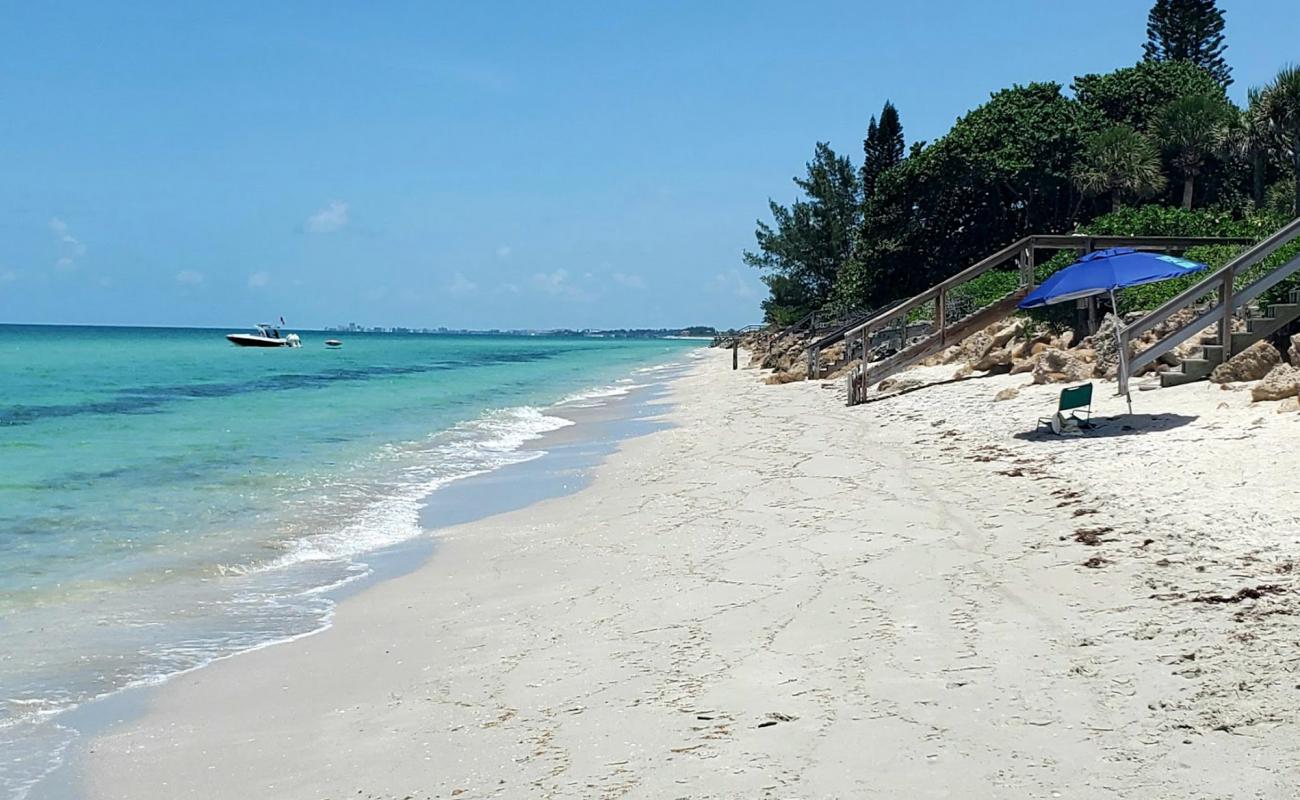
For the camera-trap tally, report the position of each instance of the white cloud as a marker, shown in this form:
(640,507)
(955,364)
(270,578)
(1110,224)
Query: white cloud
(70,247)
(503,252)
(188,277)
(731,282)
(258,279)
(557,283)
(461,285)
(329,219)
(629,281)
(553,283)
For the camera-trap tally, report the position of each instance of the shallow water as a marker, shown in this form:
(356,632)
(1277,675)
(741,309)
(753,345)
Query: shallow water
(166,498)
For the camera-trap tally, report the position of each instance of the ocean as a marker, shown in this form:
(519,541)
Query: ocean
(167,498)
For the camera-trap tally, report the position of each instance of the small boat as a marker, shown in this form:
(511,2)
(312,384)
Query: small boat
(266,336)
(333,343)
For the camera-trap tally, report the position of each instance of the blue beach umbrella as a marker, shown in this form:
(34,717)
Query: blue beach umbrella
(1105,271)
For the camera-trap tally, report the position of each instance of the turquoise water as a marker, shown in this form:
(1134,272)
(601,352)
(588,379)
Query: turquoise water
(167,498)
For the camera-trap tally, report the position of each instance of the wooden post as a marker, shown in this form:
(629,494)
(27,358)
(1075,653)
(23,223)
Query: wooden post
(1225,323)
(941,318)
(1092,315)
(735,353)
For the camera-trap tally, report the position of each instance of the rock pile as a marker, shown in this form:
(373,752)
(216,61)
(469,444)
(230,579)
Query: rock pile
(1250,364)
(1013,345)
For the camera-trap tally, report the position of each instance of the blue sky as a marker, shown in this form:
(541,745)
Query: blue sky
(474,164)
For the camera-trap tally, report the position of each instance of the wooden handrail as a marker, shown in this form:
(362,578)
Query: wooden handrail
(1023,251)
(1043,242)
(1221,279)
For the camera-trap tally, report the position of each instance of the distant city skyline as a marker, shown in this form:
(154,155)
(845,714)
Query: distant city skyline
(474,166)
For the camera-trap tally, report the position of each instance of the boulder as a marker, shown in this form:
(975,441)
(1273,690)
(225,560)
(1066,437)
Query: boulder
(1293,352)
(1281,382)
(976,346)
(993,359)
(1250,364)
(841,371)
(784,377)
(963,372)
(1104,347)
(945,356)
(1060,366)
(1006,333)
(898,384)
(1026,364)
(1008,393)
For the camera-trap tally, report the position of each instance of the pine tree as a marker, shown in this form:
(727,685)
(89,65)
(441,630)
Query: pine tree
(1188,30)
(883,148)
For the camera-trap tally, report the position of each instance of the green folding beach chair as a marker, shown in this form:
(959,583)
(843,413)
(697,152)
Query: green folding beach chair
(1073,398)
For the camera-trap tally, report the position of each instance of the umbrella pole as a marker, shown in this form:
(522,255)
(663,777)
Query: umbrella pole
(1119,343)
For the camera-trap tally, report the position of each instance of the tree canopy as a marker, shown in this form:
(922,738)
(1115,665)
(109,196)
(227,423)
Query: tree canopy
(1188,30)
(802,254)
(1120,162)
(882,149)
(1036,159)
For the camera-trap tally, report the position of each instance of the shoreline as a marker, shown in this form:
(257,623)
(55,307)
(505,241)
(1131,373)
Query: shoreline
(597,422)
(779,595)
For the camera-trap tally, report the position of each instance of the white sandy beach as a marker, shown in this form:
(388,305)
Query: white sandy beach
(784,597)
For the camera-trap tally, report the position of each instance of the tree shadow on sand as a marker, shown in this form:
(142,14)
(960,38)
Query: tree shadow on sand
(1108,427)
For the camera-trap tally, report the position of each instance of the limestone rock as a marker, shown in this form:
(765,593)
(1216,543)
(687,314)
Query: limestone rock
(976,346)
(963,372)
(783,377)
(1025,364)
(1250,364)
(1281,382)
(1060,366)
(1005,334)
(898,384)
(993,359)
(1006,394)
(843,370)
(1293,352)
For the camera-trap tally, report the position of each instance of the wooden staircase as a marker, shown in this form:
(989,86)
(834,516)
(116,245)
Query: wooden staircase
(1236,285)
(952,321)
(1276,317)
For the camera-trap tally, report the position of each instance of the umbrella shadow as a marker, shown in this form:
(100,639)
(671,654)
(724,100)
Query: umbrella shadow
(1121,425)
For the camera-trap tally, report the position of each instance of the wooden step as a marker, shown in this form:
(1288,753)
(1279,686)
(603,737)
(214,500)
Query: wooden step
(1212,353)
(1243,339)
(1194,369)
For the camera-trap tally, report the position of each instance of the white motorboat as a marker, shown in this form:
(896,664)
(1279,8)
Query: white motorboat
(266,336)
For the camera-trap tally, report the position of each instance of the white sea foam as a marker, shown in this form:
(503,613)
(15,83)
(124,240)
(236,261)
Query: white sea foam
(593,398)
(491,441)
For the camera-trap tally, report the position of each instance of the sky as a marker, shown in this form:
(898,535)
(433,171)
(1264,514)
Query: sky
(486,164)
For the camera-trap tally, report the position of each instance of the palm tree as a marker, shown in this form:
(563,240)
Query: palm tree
(1283,112)
(1248,136)
(1193,128)
(1121,161)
